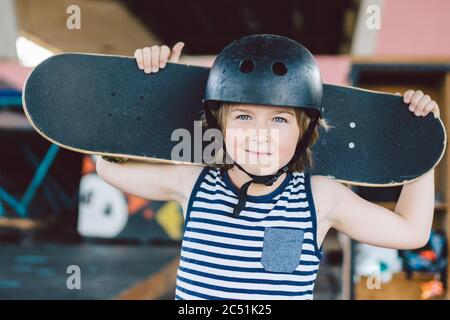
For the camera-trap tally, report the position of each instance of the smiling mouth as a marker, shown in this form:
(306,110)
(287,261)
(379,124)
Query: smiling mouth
(258,153)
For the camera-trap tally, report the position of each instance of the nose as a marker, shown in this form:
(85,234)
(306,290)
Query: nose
(259,140)
(260,134)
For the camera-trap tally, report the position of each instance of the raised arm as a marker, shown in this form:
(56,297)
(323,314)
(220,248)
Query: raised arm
(150,180)
(409,225)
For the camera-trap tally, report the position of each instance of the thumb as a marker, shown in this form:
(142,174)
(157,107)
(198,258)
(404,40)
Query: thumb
(176,52)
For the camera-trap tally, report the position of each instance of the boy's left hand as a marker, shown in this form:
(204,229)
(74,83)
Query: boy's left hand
(419,103)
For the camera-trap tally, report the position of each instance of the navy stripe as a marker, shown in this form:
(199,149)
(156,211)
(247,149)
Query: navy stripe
(273,201)
(222,245)
(239,258)
(240,290)
(232,235)
(313,213)
(248,207)
(202,295)
(227,224)
(289,187)
(192,196)
(293,184)
(308,241)
(251,219)
(225,234)
(234,247)
(242,280)
(219,255)
(235,225)
(242,269)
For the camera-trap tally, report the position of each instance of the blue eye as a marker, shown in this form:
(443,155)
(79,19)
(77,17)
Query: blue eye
(243,117)
(279,119)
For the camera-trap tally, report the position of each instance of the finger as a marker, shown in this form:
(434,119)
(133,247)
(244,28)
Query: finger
(164,55)
(155,58)
(435,109)
(420,108)
(176,52)
(398,93)
(415,99)
(139,58)
(428,107)
(407,96)
(147,53)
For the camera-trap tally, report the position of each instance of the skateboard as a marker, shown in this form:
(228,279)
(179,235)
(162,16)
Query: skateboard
(105,105)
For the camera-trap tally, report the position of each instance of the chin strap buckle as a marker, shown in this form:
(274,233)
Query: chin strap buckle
(276,176)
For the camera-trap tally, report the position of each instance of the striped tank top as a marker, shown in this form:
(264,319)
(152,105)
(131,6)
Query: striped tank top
(268,252)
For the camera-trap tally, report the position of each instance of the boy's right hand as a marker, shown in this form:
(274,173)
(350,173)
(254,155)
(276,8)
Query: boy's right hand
(151,59)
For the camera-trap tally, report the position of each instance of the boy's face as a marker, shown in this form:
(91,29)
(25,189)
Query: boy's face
(262,139)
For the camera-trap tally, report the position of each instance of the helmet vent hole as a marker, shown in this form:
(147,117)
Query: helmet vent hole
(246,66)
(279,68)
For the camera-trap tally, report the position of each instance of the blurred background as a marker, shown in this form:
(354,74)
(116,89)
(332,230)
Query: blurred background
(56,214)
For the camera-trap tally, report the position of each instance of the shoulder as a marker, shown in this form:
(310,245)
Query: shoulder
(325,184)
(189,175)
(322,183)
(190,170)
(325,191)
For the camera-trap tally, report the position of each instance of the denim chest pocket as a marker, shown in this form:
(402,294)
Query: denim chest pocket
(282,249)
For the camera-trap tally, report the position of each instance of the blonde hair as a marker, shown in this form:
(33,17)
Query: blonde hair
(305,160)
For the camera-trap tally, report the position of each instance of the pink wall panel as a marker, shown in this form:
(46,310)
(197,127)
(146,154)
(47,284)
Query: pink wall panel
(334,69)
(13,73)
(414,27)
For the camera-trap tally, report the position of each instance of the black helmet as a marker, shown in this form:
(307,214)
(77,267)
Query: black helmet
(265,69)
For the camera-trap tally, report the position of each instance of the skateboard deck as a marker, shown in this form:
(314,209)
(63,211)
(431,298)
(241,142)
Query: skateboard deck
(99,104)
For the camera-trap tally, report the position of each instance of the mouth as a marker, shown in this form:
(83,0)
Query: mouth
(258,153)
